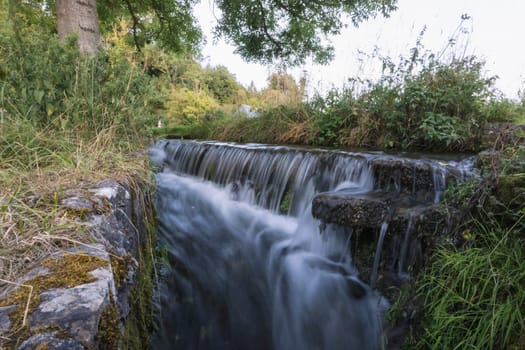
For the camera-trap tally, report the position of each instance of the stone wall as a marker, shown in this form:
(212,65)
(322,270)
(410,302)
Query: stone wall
(96,295)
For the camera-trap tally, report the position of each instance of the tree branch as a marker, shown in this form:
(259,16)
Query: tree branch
(278,44)
(135,24)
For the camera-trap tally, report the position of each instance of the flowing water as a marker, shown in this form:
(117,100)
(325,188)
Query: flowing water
(246,266)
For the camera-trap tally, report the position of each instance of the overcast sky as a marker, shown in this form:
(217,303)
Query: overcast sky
(496,30)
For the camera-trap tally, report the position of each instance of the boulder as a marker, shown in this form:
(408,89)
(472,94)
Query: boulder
(81,297)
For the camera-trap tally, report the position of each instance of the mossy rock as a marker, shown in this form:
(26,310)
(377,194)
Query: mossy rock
(510,191)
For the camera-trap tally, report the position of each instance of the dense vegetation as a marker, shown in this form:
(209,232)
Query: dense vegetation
(65,117)
(421,102)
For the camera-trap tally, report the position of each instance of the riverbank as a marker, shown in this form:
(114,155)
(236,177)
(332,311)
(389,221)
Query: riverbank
(78,227)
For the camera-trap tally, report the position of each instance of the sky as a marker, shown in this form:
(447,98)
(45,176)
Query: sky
(494,33)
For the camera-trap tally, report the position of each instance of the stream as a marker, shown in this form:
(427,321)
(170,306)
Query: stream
(246,266)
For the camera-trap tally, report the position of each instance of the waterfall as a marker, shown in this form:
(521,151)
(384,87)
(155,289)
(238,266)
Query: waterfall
(246,264)
(242,277)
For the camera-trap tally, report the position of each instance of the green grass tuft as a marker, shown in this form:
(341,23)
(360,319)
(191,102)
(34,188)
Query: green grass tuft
(474,297)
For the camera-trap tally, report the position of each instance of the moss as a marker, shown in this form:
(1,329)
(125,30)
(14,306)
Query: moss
(284,206)
(139,324)
(108,333)
(120,266)
(67,271)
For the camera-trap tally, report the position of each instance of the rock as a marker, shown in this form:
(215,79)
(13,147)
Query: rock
(87,313)
(510,190)
(5,321)
(371,209)
(76,310)
(51,340)
(363,210)
(414,228)
(419,179)
(79,204)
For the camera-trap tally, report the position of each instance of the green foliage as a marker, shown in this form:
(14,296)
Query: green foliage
(221,84)
(420,102)
(189,107)
(53,86)
(263,31)
(53,100)
(502,109)
(290,31)
(423,102)
(333,113)
(282,89)
(475,296)
(168,23)
(459,195)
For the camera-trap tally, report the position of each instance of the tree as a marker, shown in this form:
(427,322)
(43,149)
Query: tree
(293,30)
(80,17)
(221,84)
(262,30)
(282,89)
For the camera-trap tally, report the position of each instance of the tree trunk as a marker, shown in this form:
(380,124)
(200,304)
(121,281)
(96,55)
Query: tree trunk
(80,17)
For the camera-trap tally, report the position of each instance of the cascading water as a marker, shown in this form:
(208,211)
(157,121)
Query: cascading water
(243,276)
(377,256)
(404,246)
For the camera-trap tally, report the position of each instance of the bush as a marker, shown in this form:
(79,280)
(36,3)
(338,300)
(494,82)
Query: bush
(189,107)
(51,85)
(439,107)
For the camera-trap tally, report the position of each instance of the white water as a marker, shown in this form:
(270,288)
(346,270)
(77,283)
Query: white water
(246,278)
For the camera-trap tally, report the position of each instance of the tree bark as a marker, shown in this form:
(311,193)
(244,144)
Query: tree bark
(80,17)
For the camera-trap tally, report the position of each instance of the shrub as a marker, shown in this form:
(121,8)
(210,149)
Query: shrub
(50,84)
(419,103)
(189,107)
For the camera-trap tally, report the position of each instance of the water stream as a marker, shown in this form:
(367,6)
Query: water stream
(246,266)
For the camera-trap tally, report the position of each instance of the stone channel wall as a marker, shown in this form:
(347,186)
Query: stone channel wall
(96,295)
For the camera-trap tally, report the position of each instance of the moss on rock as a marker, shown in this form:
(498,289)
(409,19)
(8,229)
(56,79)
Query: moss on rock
(65,271)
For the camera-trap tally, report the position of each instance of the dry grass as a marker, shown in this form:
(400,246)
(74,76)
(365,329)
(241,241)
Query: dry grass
(298,133)
(34,222)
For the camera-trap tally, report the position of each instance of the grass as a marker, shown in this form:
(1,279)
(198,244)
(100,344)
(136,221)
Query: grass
(474,297)
(38,170)
(282,124)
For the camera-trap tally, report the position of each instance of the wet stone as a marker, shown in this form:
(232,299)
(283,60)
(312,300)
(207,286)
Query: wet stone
(351,210)
(365,210)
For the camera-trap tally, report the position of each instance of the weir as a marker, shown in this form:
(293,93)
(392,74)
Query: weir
(260,248)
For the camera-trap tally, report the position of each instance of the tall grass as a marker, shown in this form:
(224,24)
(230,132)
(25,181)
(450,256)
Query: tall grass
(474,297)
(282,124)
